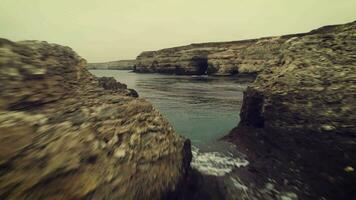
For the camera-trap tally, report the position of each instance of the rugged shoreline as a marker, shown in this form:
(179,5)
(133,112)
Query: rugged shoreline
(221,58)
(113,65)
(66,134)
(310,166)
(297,121)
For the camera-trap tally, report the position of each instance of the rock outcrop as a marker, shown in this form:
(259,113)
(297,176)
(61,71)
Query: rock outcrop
(299,117)
(313,87)
(219,58)
(109,83)
(114,65)
(63,136)
(225,58)
(181,60)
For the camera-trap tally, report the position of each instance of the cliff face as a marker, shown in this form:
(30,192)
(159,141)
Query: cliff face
(114,65)
(184,60)
(248,56)
(299,115)
(63,136)
(220,58)
(314,84)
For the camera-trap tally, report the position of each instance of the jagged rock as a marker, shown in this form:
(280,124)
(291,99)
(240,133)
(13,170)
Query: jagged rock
(219,58)
(109,83)
(299,117)
(113,65)
(63,136)
(251,56)
(314,86)
(181,60)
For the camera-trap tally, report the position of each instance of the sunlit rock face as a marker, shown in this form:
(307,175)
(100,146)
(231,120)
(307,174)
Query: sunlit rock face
(63,136)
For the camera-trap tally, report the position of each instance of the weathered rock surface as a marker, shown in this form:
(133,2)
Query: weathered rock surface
(181,60)
(226,58)
(114,65)
(63,136)
(219,58)
(312,89)
(109,83)
(298,118)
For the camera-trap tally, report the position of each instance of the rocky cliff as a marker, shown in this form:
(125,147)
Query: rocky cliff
(219,58)
(114,65)
(314,85)
(299,117)
(64,134)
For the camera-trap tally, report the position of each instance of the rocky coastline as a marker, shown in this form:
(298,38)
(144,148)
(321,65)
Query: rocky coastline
(66,134)
(113,65)
(298,118)
(220,58)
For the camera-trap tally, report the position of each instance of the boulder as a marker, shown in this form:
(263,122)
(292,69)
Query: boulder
(109,83)
(64,136)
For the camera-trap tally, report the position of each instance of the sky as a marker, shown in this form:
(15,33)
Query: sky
(106,30)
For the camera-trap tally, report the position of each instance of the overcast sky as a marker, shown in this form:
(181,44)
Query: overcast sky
(105,30)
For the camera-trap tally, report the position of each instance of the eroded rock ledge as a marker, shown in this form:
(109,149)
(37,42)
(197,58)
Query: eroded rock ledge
(298,119)
(221,58)
(63,136)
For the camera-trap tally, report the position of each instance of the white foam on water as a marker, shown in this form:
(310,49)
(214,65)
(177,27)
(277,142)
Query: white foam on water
(215,163)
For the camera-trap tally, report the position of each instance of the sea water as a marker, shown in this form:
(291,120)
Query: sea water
(201,108)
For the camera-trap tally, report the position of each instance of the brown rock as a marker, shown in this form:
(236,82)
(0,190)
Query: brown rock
(298,118)
(62,136)
(313,88)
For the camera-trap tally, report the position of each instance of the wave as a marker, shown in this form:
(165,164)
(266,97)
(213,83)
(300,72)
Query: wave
(215,163)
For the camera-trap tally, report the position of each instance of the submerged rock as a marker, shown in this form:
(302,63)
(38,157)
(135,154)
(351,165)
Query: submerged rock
(298,118)
(65,134)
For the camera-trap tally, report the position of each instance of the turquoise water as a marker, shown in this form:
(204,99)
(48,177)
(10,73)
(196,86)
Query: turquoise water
(201,108)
